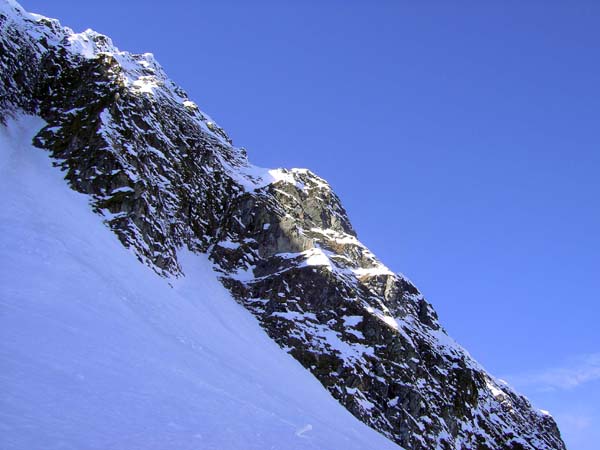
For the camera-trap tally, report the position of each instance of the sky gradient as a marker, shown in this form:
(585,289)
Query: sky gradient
(463,141)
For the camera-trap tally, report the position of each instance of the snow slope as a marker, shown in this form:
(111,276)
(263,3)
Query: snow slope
(98,352)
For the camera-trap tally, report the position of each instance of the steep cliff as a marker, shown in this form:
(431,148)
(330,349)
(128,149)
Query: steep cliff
(165,177)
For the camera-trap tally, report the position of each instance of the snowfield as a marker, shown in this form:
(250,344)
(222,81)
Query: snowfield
(98,352)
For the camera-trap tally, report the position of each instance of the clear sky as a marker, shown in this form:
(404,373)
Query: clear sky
(463,139)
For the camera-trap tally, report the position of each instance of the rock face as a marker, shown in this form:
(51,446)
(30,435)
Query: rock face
(164,176)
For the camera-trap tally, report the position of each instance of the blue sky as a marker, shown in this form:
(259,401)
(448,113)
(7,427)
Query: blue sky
(463,140)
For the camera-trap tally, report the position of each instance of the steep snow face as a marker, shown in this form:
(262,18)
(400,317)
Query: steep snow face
(99,352)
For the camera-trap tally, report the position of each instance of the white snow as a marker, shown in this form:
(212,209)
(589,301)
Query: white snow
(83,44)
(252,177)
(189,104)
(145,84)
(98,352)
(390,321)
(316,257)
(497,393)
(122,189)
(352,321)
(365,404)
(304,429)
(337,236)
(227,243)
(372,271)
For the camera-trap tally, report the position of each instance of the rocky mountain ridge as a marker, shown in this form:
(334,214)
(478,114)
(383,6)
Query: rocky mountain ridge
(165,176)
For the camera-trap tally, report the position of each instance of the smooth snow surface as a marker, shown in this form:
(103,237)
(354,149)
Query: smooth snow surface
(98,352)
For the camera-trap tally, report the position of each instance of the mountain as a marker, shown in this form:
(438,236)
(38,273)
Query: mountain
(168,182)
(98,352)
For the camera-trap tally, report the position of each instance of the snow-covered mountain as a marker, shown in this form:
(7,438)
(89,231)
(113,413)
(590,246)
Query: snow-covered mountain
(99,351)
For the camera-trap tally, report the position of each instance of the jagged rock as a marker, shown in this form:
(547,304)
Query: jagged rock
(164,176)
